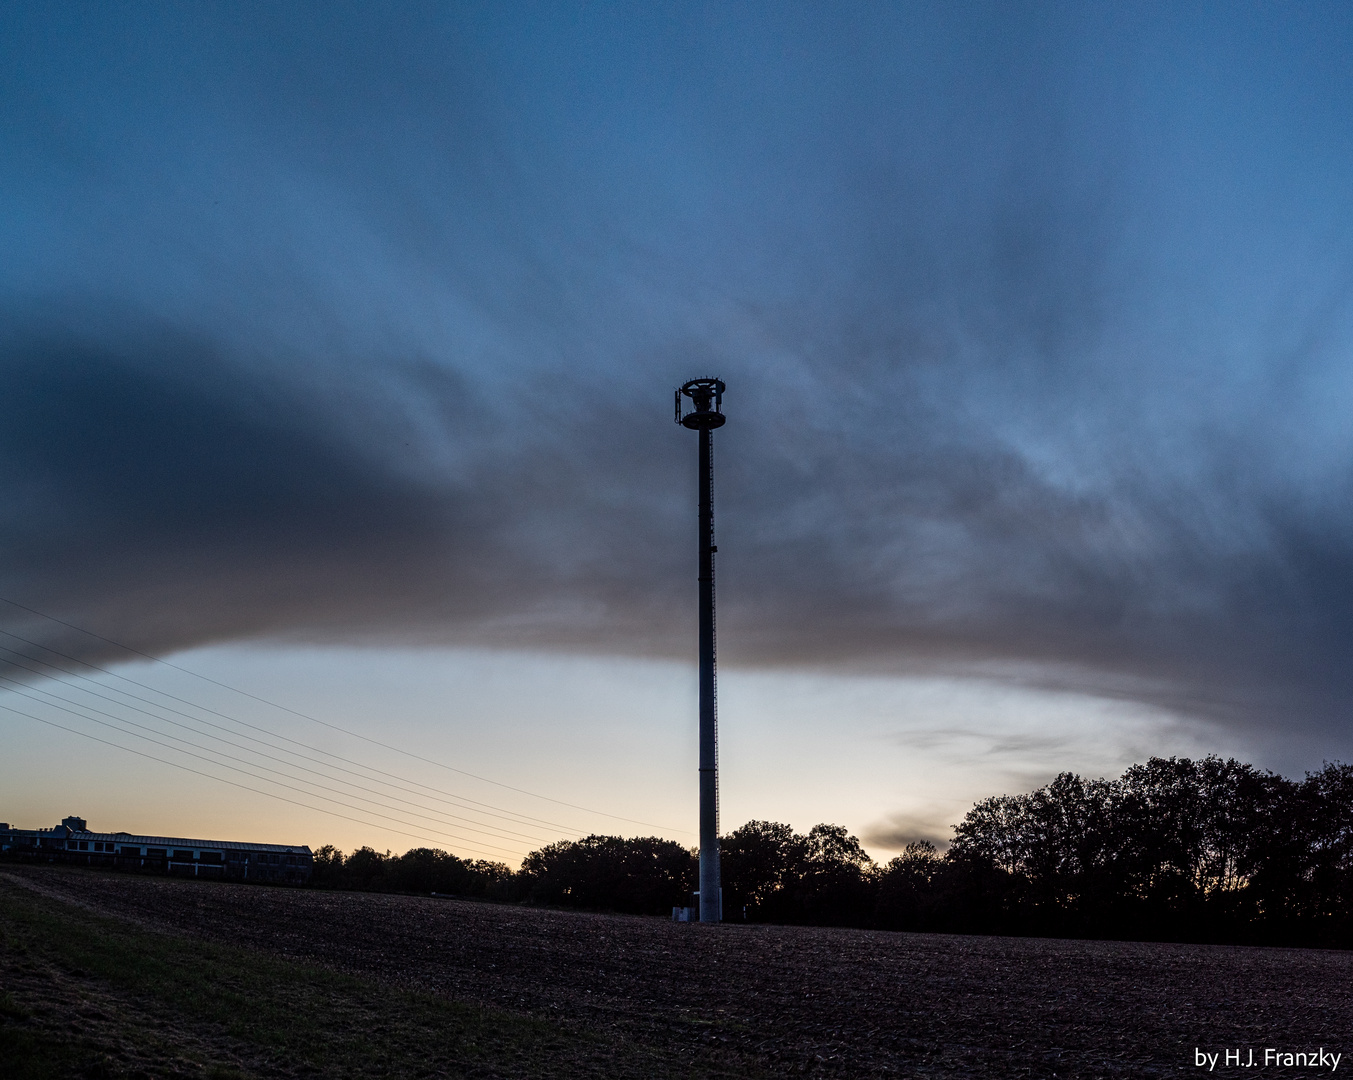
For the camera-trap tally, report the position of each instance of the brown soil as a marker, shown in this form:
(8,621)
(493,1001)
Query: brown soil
(843,1002)
(105,1034)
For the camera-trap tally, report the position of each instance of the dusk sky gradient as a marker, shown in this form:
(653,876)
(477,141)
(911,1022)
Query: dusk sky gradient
(337,345)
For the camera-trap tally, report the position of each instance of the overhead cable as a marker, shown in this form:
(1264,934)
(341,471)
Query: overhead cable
(324,723)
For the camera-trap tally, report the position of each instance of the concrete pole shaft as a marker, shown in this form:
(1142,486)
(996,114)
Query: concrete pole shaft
(710,883)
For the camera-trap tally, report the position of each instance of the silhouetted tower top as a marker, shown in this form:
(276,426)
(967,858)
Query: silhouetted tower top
(707,398)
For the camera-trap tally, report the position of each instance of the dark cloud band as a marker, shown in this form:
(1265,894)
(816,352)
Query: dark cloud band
(375,341)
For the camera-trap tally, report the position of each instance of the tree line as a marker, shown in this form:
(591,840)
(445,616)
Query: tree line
(1175,849)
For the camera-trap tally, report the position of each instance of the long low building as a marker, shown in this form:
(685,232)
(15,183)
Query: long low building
(73,842)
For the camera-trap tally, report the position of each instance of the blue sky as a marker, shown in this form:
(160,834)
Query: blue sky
(348,332)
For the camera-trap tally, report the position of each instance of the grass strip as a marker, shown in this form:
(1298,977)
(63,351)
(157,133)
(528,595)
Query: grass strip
(91,996)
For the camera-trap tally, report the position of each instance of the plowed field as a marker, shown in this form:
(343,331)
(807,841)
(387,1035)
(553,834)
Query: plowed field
(788,999)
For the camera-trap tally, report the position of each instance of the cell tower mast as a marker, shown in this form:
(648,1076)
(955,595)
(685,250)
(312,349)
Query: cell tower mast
(706,398)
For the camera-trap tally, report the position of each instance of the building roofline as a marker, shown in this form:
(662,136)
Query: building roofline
(164,841)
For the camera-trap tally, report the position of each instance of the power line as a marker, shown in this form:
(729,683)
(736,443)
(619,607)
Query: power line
(164,719)
(246,772)
(443,819)
(495,811)
(506,814)
(218,779)
(324,723)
